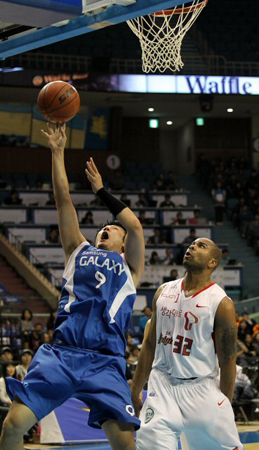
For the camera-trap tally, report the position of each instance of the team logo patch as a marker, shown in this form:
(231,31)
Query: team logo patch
(130,410)
(149,415)
(152,394)
(190,320)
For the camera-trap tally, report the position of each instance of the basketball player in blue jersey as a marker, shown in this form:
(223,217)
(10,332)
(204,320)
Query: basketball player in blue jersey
(86,360)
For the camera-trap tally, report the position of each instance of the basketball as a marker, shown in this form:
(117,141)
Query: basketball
(58,101)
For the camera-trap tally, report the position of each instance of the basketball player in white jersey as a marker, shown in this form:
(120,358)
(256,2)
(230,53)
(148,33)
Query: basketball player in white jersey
(192,332)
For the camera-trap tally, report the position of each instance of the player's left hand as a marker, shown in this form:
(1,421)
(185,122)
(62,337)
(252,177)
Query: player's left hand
(56,138)
(93,176)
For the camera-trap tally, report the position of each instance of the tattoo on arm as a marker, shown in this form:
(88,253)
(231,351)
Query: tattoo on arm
(228,343)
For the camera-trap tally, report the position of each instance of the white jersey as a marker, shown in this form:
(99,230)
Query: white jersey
(185,341)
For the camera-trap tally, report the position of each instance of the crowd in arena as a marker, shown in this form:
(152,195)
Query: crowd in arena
(234,187)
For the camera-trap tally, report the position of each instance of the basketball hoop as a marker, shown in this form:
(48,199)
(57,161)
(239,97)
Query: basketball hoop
(161,35)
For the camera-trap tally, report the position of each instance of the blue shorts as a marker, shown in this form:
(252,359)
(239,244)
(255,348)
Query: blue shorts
(58,373)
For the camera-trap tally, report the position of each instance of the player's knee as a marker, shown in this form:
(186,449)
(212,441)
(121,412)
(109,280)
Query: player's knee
(13,427)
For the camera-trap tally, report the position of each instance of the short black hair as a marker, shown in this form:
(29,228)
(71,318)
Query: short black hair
(110,222)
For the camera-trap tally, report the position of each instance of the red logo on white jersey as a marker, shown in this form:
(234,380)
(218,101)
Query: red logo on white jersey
(190,320)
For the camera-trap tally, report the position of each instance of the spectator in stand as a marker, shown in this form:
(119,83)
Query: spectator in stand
(26,320)
(147,311)
(124,198)
(256,342)
(13,199)
(26,326)
(36,337)
(22,368)
(157,238)
(192,236)
(244,220)
(167,202)
(53,235)
(117,182)
(160,183)
(142,201)
(172,277)
(256,330)
(6,354)
(154,259)
(169,257)
(197,219)
(250,322)
(8,371)
(243,393)
(142,218)
(241,352)
(237,319)
(251,347)
(134,354)
(88,218)
(219,195)
(225,258)
(171,184)
(179,219)
(51,200)
(242,330)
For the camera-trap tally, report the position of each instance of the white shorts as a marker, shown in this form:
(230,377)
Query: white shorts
(198,409)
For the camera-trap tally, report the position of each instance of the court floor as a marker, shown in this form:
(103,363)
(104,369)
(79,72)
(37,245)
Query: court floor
(249,435)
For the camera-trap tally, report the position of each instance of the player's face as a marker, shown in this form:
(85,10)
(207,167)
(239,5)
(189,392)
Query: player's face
(111,238)
(198,255)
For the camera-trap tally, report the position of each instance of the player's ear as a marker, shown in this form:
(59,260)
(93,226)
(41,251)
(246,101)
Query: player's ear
(213,263)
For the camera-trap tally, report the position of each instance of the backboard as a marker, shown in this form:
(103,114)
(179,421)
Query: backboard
(29,24)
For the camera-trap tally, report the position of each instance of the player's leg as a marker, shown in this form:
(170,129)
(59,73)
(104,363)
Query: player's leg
(160,416)
(17,422)
(209,418)
(155,432)
(47,385)
(104,389)
(121,435)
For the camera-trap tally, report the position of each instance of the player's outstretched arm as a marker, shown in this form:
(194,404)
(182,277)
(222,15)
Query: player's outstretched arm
(69,230)
(134,242)
(225,339)
(146,357)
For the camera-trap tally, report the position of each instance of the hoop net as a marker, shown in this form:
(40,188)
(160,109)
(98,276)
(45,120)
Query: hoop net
(161,35)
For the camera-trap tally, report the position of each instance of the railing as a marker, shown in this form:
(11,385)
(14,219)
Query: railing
(34,260)
(207,64)
(250,305)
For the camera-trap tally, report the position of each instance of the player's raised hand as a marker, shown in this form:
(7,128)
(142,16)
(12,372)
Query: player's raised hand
(93,175)
(56,137)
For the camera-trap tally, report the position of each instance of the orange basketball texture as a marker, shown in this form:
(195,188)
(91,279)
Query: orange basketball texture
(58,101)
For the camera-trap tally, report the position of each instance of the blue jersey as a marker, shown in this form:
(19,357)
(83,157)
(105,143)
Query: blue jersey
(96,301)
